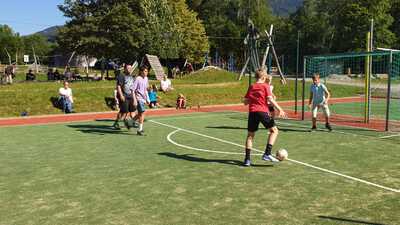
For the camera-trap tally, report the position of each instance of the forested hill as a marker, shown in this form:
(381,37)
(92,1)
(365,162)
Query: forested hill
(284,7)
(50,33)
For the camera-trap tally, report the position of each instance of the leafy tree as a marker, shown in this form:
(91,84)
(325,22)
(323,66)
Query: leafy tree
(191,32)
(226,22)
(101,28)
(39,43)
(354,22)
(10,42)
(395,28)
(128,29)
(161,34)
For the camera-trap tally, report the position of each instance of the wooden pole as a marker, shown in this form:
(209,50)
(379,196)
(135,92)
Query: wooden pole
(9,57)
(36,63)
(267,50)
(244,68)
(69,60)
(283,80)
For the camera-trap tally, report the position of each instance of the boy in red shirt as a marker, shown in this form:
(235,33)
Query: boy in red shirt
(257,97)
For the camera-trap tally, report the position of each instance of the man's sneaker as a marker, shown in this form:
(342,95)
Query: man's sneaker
(270,158)
(116,126)
(140,132)
(247,162)
(313,129)
(127,124)
(328,126)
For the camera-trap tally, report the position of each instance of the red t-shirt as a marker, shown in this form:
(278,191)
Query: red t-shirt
(258,95)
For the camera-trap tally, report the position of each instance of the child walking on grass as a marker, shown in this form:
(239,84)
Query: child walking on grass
(141,97)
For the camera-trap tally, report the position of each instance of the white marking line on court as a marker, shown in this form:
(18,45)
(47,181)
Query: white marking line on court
(389,136)
(200,115)
(199,149)
(292,160)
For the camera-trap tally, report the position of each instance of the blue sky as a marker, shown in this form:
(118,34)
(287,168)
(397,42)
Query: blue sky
(30,16)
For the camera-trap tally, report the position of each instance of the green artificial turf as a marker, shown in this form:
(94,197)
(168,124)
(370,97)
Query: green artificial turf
(88,173)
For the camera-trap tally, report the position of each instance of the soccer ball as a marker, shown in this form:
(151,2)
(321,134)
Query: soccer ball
(282,154)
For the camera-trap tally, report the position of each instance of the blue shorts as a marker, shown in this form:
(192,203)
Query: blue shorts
(141,108)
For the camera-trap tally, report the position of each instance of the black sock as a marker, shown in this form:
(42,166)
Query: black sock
(247,154)
(268,149)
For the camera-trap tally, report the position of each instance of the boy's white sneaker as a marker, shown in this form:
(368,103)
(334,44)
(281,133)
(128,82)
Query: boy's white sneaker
(270,158)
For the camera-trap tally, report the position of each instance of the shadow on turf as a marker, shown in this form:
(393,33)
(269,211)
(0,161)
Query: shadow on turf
(283,129)
(190,157)
(349,220)
(97,129)
(105,120)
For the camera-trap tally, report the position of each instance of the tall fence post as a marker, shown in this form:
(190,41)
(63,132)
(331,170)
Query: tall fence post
(297,72)
(388,96)
(304,90)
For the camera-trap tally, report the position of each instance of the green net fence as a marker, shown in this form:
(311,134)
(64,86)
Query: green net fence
(365,79)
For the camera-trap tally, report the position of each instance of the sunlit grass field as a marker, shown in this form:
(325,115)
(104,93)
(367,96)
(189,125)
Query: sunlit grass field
(187,170)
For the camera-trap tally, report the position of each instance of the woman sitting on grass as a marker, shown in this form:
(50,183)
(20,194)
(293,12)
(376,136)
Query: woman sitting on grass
(66,98)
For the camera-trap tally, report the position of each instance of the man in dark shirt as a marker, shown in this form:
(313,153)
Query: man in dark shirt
(124,95)
(30,76)
(57,75)
(50,74)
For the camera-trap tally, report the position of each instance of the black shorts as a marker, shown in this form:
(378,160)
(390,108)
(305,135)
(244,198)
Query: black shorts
(126,106)
(255,118)
(271,108)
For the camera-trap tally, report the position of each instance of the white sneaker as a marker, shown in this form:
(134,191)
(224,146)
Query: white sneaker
(269,158)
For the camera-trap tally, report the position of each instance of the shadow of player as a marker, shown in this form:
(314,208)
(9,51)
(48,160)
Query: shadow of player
(190,157)
(96,129)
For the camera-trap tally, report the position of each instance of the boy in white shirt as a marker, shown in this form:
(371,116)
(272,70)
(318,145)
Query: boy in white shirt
(319,97)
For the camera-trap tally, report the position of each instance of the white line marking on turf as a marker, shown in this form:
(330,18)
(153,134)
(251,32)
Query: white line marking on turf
(199,149)
(292,160)
(200,115)
(389,136)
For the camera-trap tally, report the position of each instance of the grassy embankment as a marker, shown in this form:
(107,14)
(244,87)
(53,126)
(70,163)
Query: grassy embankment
(203,88)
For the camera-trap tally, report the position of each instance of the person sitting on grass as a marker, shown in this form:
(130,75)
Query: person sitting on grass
(57,75)
(319,97)
(181,102)
(153,97)
(66,98)
(166,85)
(50,74)
(30,76)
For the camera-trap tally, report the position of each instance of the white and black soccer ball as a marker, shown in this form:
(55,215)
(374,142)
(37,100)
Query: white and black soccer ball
(282,154)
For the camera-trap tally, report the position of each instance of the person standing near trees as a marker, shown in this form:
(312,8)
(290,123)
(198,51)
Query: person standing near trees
(10,73)
(126,101)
